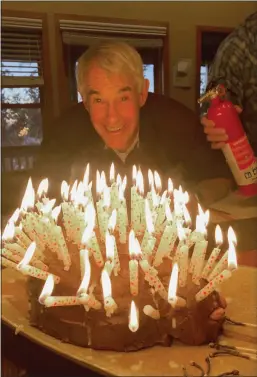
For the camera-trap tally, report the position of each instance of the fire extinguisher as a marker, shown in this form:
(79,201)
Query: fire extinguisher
(237,151)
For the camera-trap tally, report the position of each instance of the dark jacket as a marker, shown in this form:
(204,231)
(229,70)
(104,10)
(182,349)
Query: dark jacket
(171,137)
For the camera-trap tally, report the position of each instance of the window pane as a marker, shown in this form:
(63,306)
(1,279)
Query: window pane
(149,74)
(21,126)
(204,78)
(20,69)
(20,95)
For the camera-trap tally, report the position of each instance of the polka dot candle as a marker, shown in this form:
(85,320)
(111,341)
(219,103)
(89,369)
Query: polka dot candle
(212,285)
(61,301)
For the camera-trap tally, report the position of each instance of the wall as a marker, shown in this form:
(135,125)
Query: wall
(183,18)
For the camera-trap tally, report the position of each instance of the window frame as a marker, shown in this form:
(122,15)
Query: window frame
(161,78)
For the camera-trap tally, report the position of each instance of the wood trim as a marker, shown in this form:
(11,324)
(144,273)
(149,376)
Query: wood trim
(166,63)
(199,31)
(21,105)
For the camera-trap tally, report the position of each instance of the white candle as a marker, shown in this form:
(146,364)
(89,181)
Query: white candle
(152,278)
(46,299)
(89,240)
(215,253)
(133,317)
(111,227)
(212,285)
(7,263)
(151,312)
(159,224)
(183,265)
(198,237)
(109,247)
(200,251)
(122,217)
(134,252)
(149,241)
(17,258)
(173,299)
(109,304)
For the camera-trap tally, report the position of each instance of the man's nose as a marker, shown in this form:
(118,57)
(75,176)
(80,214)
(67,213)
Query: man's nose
(112,114)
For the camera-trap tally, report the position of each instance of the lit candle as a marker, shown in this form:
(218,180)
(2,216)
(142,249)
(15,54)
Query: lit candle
(103,211)
(140,222)
(199,236)
(87,185)
(111,227)
(122,215)
(114,189)
(133,193)
(17,258)
(173,299)
(159,223)
(227,256)
(212,285)
(109,245)
(133,317)
(168,239)
(134,253)
(151,312)
(215,253)
(149,240)
(149,195)
(21,237)
(26,269)
(7,263)
(109,304)
(46,299)
(183,259)
(86,299)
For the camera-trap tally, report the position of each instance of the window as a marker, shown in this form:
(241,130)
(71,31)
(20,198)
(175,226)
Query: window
(22,85)
(77,36)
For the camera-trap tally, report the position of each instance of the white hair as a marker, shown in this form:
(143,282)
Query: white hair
(113,57)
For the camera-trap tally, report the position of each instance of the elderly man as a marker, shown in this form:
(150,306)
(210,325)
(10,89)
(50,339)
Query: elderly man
(120,122)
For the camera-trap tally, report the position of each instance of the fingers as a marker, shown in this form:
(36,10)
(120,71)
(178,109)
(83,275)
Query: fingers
(217,314)
(238,109)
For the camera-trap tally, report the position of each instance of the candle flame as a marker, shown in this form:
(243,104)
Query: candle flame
(168,212)
(65,190)
(232,236)
(47,208)
(218,235)
(187,216)
(8,232)
(47,289)
(155,198)
(56,212)
(200,224)
(170,186)
(103,179)
(15,216)
(118,180)
(106,284)
(28,200)
(87,272)
(133,317)
(150,179)
(43,187)
(86,177)
(173,283)
(157,181)
(109,246)
(140,182)
(87,234)
(134,174)
(186,197)
(232,258)
(148,218)
(73,190)
(98,183)
(121,193)
(134,245)
(124,183)
(112,220)
(181,231)
(28,255)
(112,173)
(163,197)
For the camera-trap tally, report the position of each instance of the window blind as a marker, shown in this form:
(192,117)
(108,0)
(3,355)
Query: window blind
(88,33)
(21,47)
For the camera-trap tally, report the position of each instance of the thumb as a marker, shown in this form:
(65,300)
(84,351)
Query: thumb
(238,109)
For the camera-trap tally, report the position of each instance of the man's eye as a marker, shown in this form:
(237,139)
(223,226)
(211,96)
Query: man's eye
(97,100)
(124,98)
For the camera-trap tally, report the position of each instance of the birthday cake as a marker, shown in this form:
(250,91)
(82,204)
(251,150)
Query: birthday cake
(116,274)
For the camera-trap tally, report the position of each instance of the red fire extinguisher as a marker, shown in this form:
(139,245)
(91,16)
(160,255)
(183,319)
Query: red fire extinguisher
(237,151)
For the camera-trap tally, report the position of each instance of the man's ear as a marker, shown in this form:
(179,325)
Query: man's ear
(144,93)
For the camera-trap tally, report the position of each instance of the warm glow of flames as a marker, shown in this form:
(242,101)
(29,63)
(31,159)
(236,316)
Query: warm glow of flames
(98,183)
(87,272)
(181,231)
(155,198)
(47,208)
(73,190)
(232,258)
(42,187)
(8,232)
(65,190)
(232,236)
(121,193)
(56,212)
(87,234)
(112,220)
(170,186)
(172,293)
(187,216)
(90,216)
(148,218)
(14,216)
(47,289)
(163,197)
(124,183)
(103,179)
(28,200)
(118,180)
(140,182)
(157,181)
(112,173)
(134,174)
(79,198)
(200,224)
(133,317)
(218,235)
(168,213)
(134,245)
(150,179)
(186,197)
(107,197)
(86,177)
(106,284)
(109,246)
(28,255)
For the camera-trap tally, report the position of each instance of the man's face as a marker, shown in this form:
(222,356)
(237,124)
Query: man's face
(113,103)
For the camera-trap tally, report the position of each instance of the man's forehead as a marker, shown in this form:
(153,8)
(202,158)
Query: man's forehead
(120,90)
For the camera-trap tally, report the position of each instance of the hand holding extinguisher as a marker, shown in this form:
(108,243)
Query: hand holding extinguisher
(237,150)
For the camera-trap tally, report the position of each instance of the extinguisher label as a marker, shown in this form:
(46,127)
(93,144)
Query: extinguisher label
(241,160)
